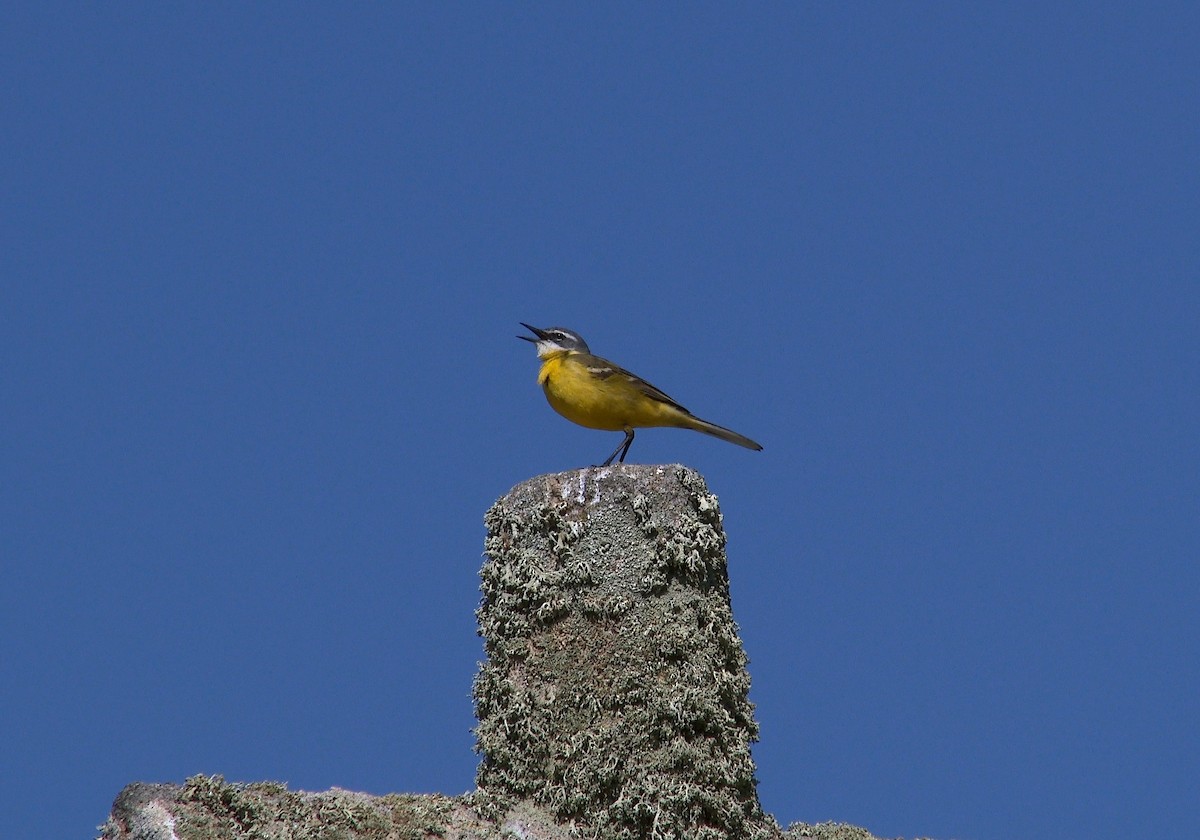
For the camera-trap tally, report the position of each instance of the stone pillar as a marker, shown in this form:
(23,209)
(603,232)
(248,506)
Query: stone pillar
(615,691)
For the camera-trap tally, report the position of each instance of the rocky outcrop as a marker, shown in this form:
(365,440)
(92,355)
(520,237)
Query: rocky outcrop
(613,703)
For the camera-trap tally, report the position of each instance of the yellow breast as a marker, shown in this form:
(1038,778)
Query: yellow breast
(611,403)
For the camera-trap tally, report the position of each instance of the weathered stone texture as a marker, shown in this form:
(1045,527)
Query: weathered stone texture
(613,703)
(615,691)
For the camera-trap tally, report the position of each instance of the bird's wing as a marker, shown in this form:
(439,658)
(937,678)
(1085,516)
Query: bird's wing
(604,369)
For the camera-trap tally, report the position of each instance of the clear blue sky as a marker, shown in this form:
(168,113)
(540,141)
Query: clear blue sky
(262,269)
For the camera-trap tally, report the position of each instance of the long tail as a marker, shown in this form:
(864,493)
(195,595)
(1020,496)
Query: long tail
(713,429)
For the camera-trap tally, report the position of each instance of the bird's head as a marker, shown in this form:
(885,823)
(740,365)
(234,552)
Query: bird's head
(554,341)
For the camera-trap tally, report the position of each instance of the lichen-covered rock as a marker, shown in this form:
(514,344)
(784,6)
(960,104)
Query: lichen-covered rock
(613,704)
(615,691)
(210,808)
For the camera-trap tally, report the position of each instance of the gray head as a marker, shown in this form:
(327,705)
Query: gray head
(553,341)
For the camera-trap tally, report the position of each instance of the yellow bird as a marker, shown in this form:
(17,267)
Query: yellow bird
(597,394)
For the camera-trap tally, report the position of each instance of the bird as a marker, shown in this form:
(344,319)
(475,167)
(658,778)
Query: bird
(597,394)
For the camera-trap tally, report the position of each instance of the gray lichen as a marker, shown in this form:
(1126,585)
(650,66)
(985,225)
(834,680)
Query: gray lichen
(615,692)
(208,807)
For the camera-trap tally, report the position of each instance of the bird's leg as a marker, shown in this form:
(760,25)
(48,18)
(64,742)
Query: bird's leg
(625,448)
(622,447)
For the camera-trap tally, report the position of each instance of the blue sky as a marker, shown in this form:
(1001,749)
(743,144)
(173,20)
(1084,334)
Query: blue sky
(263,268)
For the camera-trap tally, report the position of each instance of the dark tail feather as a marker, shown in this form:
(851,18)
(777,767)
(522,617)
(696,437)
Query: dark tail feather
(721,432)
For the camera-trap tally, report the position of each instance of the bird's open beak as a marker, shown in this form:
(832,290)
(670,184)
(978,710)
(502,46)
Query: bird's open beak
(541,334)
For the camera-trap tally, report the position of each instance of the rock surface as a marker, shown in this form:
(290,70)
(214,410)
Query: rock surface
(613,703)
(615,691)
(209,808)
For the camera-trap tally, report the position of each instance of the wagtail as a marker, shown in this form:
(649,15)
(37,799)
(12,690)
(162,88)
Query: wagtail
(595,393)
